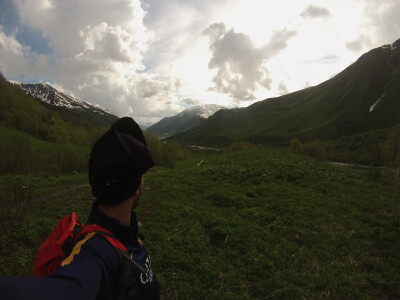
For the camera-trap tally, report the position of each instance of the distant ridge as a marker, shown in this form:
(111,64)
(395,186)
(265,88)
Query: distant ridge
(363,97)
(184,120)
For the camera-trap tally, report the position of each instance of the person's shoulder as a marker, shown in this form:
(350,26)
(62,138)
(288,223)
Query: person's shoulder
(98,245)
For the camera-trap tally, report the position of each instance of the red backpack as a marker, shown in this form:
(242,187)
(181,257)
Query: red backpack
(59,244)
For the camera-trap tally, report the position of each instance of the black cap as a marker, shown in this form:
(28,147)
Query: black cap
(117,162)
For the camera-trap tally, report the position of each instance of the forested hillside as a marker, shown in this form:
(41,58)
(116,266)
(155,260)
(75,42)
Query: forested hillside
(35,139)
(22,112)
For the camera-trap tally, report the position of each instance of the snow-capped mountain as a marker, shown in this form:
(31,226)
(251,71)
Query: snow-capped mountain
(66,104)
(204,111)
(50,95)
(184,120)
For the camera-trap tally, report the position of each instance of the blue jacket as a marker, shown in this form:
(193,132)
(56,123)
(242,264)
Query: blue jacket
(92,269)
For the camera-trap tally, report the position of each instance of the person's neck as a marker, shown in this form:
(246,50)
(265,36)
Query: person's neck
(120,212)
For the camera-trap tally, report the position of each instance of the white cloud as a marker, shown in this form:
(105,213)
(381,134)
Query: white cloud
(359,44)
(98,48)
(9,44)
(239,63)
(283,89)
(189,101)
(383,25)
(63,21)
(17,58)
(149,58)
(313,11)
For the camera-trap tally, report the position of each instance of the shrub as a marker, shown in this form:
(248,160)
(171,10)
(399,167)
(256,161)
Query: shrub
(313,149)
(165,154)
(295,146)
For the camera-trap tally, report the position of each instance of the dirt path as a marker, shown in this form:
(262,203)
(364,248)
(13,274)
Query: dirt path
(68,190)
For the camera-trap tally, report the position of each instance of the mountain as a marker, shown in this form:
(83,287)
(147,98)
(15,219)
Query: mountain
(77,111)
(183,121)
(363,97)
(36,139)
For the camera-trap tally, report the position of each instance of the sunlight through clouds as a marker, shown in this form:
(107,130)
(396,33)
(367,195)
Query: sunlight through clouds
(150,59)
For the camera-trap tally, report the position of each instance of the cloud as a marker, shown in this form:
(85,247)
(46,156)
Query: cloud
(17,58)
(190,101)
(326,59)
(312,12)
(51,17)
(177,27)
(359,44)
(379,25)
(239,63)
(9,44)
(97,57)
(383,20)
(283,89)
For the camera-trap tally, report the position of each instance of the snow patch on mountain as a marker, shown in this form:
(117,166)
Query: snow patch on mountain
(376,103)
(15,82)
(204,111)
(48,94)
(390,46)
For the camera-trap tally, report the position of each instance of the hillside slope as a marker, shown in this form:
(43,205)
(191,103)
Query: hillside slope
(363,97)
(24,113)
(74,110)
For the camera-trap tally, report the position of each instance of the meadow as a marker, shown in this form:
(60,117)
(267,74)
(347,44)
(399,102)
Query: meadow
(254,224)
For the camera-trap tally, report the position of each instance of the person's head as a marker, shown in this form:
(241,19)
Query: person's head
(118,160)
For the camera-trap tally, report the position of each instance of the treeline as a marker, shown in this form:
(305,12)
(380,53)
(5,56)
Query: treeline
(36,139)
(313,149)
(368,148)
(375,148)
(165,154)
(21,153)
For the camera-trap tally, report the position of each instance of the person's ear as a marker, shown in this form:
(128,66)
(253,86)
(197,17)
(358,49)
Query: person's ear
(140,188)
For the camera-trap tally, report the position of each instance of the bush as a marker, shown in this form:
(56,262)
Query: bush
(295,146)
(313,149)
(165,154)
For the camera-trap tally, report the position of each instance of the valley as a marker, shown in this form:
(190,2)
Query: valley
(248,224)
(253,211)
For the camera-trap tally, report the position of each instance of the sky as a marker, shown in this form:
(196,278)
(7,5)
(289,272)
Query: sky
(154,58)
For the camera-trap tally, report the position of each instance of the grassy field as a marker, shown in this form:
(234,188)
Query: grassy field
(265,225)
(259,224)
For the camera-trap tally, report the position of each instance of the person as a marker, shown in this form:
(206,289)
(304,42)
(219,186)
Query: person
(118,161)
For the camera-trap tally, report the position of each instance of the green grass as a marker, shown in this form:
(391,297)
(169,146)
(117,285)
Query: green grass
(259,224)
(21,152)
(264,224)
(31,219)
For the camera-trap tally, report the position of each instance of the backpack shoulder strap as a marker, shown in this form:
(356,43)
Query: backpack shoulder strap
(112,240)
(127,286)
(105,233)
